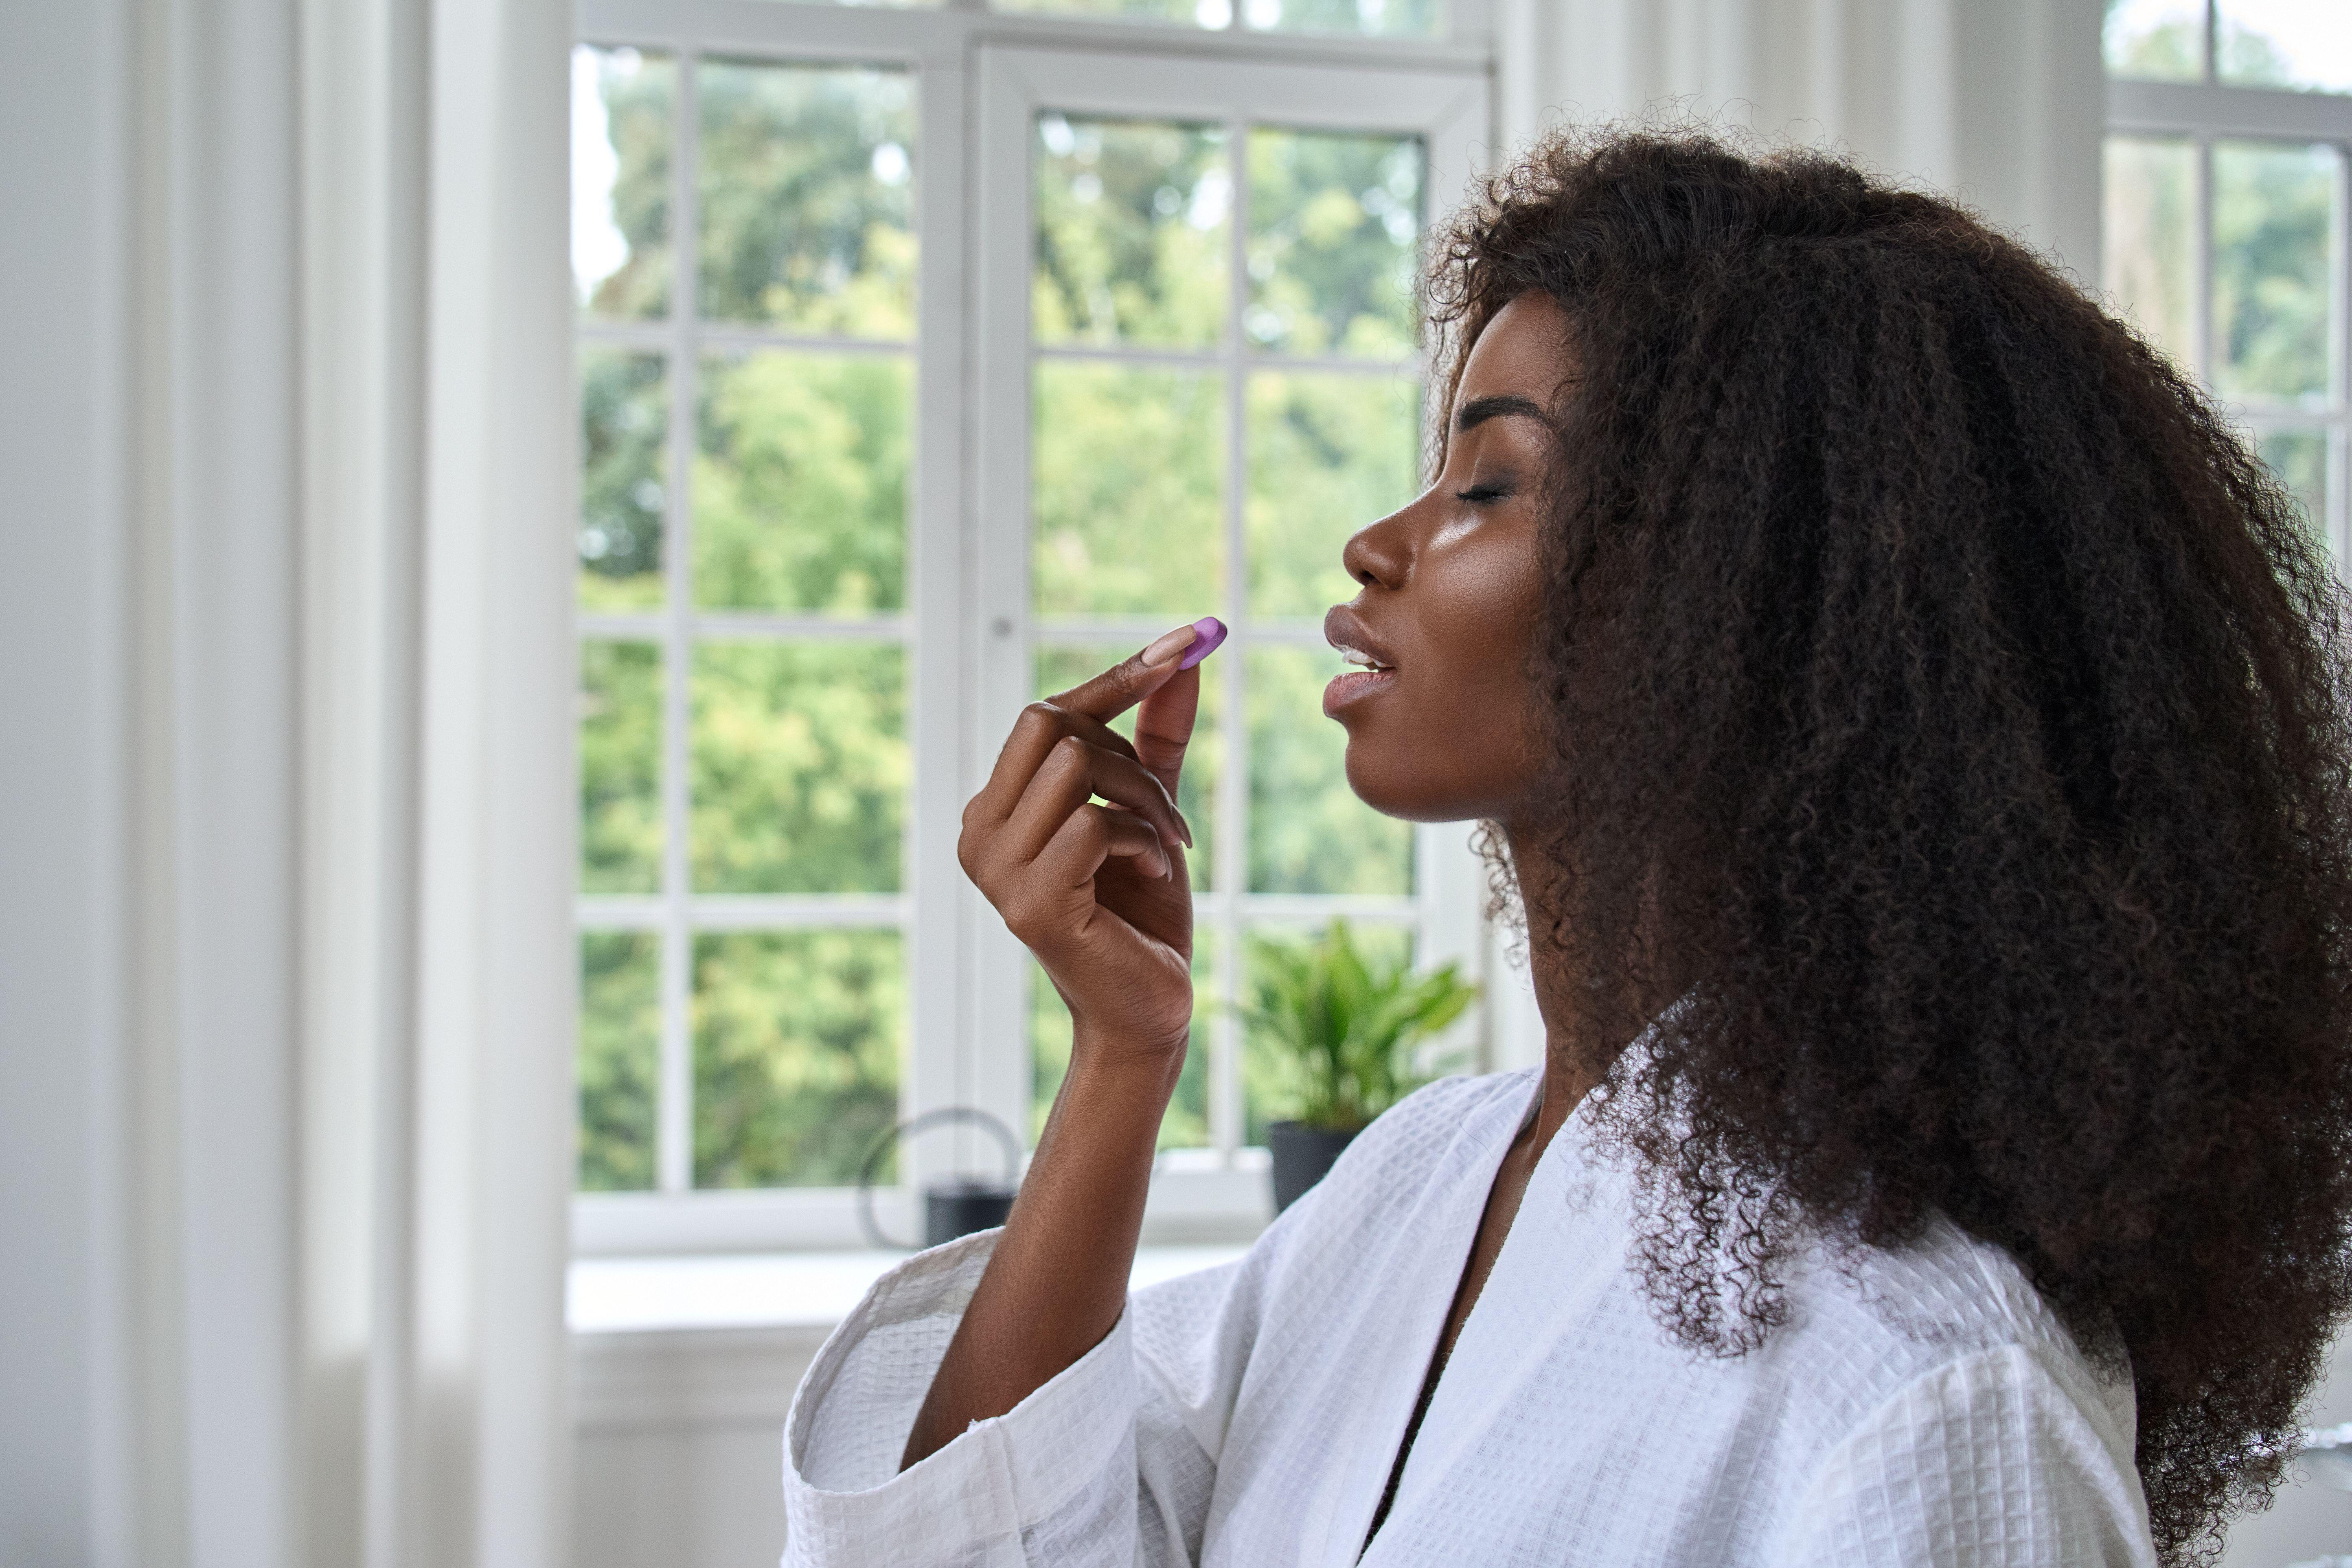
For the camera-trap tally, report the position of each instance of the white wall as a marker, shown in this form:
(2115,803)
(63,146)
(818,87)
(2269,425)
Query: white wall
(60,985)
(681,1446)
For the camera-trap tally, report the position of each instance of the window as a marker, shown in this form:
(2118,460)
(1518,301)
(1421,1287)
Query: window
(929,358)
(2229,125)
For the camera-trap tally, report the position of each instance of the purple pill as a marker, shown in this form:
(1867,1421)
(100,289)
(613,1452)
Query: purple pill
(1212,632)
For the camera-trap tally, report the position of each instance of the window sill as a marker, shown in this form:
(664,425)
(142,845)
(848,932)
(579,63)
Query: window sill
(806,1291)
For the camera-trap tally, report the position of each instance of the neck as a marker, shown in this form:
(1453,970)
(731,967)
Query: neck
(1591,1008)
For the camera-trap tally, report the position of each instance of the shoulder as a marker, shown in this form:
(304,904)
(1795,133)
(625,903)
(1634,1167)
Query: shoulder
(1951,1316)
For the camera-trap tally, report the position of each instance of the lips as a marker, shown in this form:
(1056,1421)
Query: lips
(1345,630)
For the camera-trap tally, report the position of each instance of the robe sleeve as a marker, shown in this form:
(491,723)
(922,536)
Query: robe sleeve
(1990,1461)
(1108,1465)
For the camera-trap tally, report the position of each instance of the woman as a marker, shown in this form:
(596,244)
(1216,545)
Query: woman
(1914,725)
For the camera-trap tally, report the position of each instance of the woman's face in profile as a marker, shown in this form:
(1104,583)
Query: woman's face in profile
(1442,730)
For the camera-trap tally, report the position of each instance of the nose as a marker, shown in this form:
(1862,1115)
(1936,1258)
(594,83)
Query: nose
(1380,554)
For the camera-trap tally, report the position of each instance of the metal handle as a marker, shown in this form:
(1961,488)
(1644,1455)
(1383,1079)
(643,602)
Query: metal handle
(907,1128)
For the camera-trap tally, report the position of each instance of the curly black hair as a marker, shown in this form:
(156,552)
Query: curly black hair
(1935,676)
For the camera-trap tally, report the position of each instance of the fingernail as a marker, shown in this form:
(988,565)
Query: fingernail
(1209,632)
(1167,643)
(1187,829)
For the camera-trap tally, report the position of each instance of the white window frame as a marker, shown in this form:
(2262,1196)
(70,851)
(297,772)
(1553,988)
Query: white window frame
(2203,112)
(966,628)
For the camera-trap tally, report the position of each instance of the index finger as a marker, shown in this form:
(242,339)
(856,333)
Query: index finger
(1129,681)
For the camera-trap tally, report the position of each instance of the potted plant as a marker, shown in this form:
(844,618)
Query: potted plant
(1335,1033)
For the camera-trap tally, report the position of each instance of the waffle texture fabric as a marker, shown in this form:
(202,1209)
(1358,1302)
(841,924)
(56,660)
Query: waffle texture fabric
(1920,1406)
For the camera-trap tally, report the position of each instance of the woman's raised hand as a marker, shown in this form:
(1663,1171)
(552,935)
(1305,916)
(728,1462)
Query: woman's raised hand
(1099,893)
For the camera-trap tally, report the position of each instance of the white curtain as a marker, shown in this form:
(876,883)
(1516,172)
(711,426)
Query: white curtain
(1998,101)
(285,1020)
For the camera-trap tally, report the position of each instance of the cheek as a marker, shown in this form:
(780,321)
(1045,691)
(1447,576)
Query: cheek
(1457,741)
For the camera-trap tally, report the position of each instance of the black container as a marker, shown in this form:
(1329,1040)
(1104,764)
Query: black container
(958,1207)
(1301,1156)
(954,1207)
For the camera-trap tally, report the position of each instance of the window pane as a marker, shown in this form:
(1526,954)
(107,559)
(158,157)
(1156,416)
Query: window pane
(1197,13)
(1131,242)
(1128,477)
(2150,244)
(2163,39)
(2286,43)
(800,482)
(621,117)
(1272,1073)
(620,1052)
(620,767)
(1185,1123)
(1327,453)
(623,423)
(2274,216)
(796,1048)
(1366,18)
(1061,668)
(800,767)
(2299,459)
(806,187)
(1334,226)
(1308,833)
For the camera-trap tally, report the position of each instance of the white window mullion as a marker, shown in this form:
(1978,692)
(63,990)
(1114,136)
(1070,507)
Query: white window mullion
(995,424)
(673,1121)
(1230,872)
(2201,304)
(941,1070)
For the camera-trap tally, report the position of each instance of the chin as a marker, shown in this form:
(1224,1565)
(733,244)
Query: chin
(1407,794)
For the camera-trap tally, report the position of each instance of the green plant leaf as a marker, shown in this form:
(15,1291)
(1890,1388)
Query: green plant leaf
(1341,1028)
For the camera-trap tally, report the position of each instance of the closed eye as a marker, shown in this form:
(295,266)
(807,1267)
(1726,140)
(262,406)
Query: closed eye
(1481,495)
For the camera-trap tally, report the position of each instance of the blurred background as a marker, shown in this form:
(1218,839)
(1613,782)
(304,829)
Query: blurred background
(529,521)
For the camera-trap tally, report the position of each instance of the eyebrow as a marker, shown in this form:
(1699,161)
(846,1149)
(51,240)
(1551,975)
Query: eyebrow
(1479,410)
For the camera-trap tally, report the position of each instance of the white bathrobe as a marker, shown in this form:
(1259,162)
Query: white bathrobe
(1921,1408)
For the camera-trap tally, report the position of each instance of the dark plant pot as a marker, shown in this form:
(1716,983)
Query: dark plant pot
(1301,1156)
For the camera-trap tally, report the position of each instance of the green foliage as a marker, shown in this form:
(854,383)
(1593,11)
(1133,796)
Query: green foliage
(2172,50)
(800,767)
(624,418)
(807,188)
(1129,472)
(639,91)
(795,1054)
(620,767)
(2243,57)
(1327,453)
(1161,10)
(1335,1032)
(2274,211)
(2149,256)
(620,1051)
(2299,459)
(1133,233)
(1308,832)
(1365,19)
(1333,225)
(800,483)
